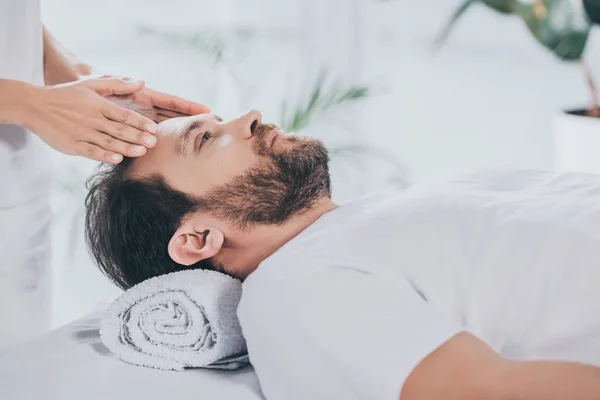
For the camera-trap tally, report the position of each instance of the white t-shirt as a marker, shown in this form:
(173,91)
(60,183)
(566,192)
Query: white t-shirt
(349,307)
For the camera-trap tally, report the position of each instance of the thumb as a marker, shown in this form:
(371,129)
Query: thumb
(108,86)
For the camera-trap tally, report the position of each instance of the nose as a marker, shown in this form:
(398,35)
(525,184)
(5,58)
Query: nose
(246,123)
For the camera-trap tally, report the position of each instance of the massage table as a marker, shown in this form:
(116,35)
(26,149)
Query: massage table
(71,363)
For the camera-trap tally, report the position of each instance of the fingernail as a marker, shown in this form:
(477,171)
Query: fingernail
(117,157)
(138,149)
(152,128)
(149,140)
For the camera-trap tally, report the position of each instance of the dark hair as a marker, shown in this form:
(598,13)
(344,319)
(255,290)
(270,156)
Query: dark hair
(129,223)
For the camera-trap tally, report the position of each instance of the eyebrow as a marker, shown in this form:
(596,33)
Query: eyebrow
(183,146)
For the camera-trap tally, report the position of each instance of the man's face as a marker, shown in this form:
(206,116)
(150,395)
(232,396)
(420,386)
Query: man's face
(240,170)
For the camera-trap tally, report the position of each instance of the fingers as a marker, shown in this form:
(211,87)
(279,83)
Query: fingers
(127,134)
(168,113)
(161,114)
(108,86)
(174,103)
(97,153)
(119,141)
(197,108)
(128,117)
(116,146)
(160,118)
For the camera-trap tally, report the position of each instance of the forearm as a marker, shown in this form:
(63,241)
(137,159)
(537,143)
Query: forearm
(547,380)
(467,368)
(60,65)
(15,98)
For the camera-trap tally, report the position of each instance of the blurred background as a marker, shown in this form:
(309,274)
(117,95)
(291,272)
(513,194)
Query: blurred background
(362,75)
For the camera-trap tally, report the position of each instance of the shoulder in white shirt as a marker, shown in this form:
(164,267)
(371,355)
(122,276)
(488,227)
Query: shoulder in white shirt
(349,307)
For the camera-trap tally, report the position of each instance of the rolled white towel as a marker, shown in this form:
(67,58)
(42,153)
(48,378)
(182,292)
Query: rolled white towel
(180,320)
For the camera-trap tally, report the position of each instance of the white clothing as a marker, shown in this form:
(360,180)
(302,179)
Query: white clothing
(25,172)
(350,306)
(25,277)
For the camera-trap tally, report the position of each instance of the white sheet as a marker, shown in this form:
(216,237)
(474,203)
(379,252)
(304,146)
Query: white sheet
(71,363)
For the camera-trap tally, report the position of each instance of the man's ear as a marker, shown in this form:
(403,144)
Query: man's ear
(192,243)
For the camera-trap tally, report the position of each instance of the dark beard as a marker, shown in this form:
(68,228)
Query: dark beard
(284,184)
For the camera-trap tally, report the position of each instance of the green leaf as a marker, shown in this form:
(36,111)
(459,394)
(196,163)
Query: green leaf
(321,100)
(316,92)
(355,93)
(298,122)
(284,106)
(458,13)
(566,40)
(502,6)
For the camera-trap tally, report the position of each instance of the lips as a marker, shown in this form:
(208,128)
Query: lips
(273,137)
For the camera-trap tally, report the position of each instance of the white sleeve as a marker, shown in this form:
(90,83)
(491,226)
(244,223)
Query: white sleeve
(338,334)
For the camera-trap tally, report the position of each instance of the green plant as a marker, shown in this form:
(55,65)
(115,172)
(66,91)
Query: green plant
(322,99)
(325,99)
(561,26)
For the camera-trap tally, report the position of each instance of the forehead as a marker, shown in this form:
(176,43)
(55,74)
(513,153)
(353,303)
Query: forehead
(180,124)
(176,126)
(165,150)
(166,155)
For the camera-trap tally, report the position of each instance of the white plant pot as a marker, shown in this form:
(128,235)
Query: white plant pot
(577,143)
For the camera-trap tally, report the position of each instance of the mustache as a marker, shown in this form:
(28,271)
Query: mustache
(263,129)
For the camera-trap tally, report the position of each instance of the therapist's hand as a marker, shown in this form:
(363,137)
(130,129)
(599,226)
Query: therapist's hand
(157,106)
(76,118)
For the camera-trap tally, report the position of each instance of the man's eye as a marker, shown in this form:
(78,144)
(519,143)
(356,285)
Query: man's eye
(205,137)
